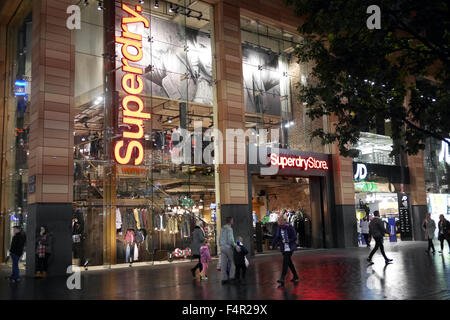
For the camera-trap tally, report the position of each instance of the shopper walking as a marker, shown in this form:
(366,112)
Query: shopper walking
(239,260)
(365,231)
(286,237)
(358,231)
(429,226)
(227,245)
(198,237)
(205,258)
(444,232)
(377,231)
(43,252)
(16,250)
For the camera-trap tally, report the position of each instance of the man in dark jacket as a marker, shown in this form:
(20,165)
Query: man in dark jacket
(16,250)
(377,231)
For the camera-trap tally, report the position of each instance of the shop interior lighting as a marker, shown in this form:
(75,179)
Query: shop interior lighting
(141,1)
(100,5)
(171,7)
(169,120)
(156,4)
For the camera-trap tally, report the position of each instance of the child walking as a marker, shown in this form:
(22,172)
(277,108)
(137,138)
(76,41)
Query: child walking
(205,258)
(239,254)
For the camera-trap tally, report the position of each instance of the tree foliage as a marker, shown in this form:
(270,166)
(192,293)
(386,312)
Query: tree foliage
(363,76)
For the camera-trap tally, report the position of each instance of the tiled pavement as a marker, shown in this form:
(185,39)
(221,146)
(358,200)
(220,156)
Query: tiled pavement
(331,274)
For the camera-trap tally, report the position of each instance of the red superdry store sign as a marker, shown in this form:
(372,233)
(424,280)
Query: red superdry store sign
(297,162)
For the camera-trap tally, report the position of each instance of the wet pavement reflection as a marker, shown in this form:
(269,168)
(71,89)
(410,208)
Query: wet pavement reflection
(327,274)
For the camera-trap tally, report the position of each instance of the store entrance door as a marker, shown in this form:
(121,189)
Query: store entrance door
(303,200)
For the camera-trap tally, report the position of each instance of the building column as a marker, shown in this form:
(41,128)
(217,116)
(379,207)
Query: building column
(3,112)
(417,191)
(344,196)
(234,192)
(50,161)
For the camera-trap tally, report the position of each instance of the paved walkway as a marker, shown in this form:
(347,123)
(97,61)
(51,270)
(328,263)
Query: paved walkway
(331,274)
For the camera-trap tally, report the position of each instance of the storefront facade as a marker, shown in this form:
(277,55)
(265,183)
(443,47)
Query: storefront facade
(302,189)
(437,162)
(89,117)
(387,184)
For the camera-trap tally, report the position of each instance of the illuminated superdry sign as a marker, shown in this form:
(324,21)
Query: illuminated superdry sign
(297,162)
(130,146)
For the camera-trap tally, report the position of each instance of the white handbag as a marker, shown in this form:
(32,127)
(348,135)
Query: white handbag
(246,262)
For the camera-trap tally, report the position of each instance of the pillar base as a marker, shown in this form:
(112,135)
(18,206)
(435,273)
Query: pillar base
(58,219)
(243,224)
(418,215)
(346,226)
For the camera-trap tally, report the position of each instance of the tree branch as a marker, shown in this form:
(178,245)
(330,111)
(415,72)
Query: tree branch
(430,133)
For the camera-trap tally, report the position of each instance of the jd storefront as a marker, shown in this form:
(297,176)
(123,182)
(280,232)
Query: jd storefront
(301,189)
(380,187)
(437,171)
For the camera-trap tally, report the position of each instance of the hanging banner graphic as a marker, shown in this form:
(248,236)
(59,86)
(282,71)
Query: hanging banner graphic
(176,61)
(392,231)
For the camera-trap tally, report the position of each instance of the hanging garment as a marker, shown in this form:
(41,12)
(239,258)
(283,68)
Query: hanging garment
(186,226)
(180,221)
(136,218)
(144,218)
(127,254)
(173,225)
(130,236)
(160,222)
(139,236)
(118,219)
(136,253)
(273,217)
(129,223)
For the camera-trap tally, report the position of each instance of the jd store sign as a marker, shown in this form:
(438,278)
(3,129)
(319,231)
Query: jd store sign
(361,171)
(379,173)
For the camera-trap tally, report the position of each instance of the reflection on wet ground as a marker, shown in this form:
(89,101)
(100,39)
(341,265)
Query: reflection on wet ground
(328,274)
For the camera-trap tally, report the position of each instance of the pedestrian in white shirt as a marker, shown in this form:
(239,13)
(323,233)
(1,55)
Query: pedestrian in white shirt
(365,231)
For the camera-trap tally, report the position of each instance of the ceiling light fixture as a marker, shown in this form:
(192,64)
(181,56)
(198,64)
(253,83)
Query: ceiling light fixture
(171,7)
(100,5)
(156,4)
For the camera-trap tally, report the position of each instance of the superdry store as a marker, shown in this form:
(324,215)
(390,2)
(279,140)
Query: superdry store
(298,185)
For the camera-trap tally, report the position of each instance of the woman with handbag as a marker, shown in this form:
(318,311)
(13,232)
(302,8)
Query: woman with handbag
(444,232)
(286,237)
